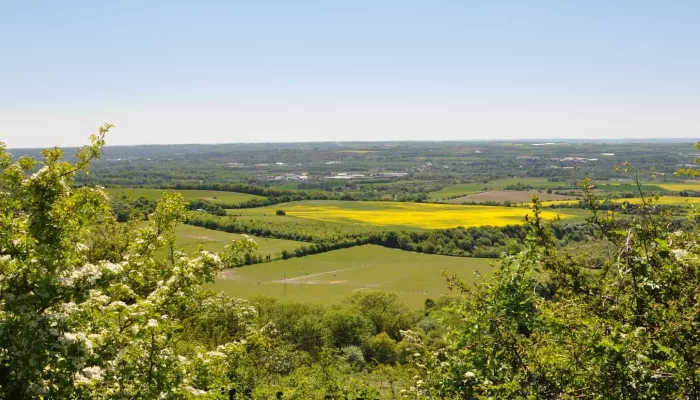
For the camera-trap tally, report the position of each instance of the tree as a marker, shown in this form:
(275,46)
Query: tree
(346,328)
(88,314)
(384,310)
(693,172)
(382,349)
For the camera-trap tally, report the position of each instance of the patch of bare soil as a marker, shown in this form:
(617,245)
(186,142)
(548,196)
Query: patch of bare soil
(514,196)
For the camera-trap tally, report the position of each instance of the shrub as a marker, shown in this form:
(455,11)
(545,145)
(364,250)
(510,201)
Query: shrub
(353,354)
(86,306)
(382,349)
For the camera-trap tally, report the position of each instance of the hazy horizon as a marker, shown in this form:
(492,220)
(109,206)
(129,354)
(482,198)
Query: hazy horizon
(553,141)
(271,71)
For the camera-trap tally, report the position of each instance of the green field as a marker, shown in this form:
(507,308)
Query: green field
(190,238)
(629,187)
(396,215)
(213,196)
(332,276)
(463,189)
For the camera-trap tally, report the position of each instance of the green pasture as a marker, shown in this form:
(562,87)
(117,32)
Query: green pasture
(463,189)
(330,277)
(213,196)
(629,188)
(265,218)
(190,238)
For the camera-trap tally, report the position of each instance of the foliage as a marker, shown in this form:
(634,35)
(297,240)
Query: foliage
(382,349)
(347,328)
(84,317)
(91,307)
(384,310)
(689,171)
(548,325)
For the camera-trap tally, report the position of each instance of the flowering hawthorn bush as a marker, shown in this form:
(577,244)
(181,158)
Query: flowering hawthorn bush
(86,308)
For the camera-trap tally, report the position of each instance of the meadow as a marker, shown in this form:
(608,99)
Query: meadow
(214,196)
(402,215)
(463,189)
(191,238)
(332,276)
(295,228)
(629,188)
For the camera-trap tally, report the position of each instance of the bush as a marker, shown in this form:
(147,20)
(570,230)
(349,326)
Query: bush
(346,328)
(280,212)
(384,310)
(353,354)
(87,306)
(382,349)
(630,331)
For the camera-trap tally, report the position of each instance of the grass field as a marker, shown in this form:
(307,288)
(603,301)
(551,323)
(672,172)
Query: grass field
(464,189)
(628,187)
(209,195)
(332,276)
(402,215)
(190,238)
(500,196)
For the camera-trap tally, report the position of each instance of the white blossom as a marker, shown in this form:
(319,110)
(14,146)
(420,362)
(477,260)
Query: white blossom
(195,391)
(680,253)
(92,373)
(40,172)
(113,268)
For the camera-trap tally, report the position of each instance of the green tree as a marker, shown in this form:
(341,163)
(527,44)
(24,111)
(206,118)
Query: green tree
(386,312)
(382,349)
(347,327)
(694,172)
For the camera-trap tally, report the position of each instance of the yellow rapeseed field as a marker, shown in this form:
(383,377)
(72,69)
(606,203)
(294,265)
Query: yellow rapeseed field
(357,151)
(679,187)
(662,200)
(417,215)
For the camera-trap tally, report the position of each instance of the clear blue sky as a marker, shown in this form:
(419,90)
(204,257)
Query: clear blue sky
(232,71)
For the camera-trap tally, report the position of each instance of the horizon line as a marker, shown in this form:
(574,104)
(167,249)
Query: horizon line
(523,140)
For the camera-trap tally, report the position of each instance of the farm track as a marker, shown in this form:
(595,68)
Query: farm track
(295,279)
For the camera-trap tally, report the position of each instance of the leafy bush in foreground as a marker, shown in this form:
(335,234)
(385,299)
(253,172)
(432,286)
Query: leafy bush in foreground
(547,327)
(86,309)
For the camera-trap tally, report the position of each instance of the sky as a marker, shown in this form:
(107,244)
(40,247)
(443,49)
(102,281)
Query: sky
(292,71)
